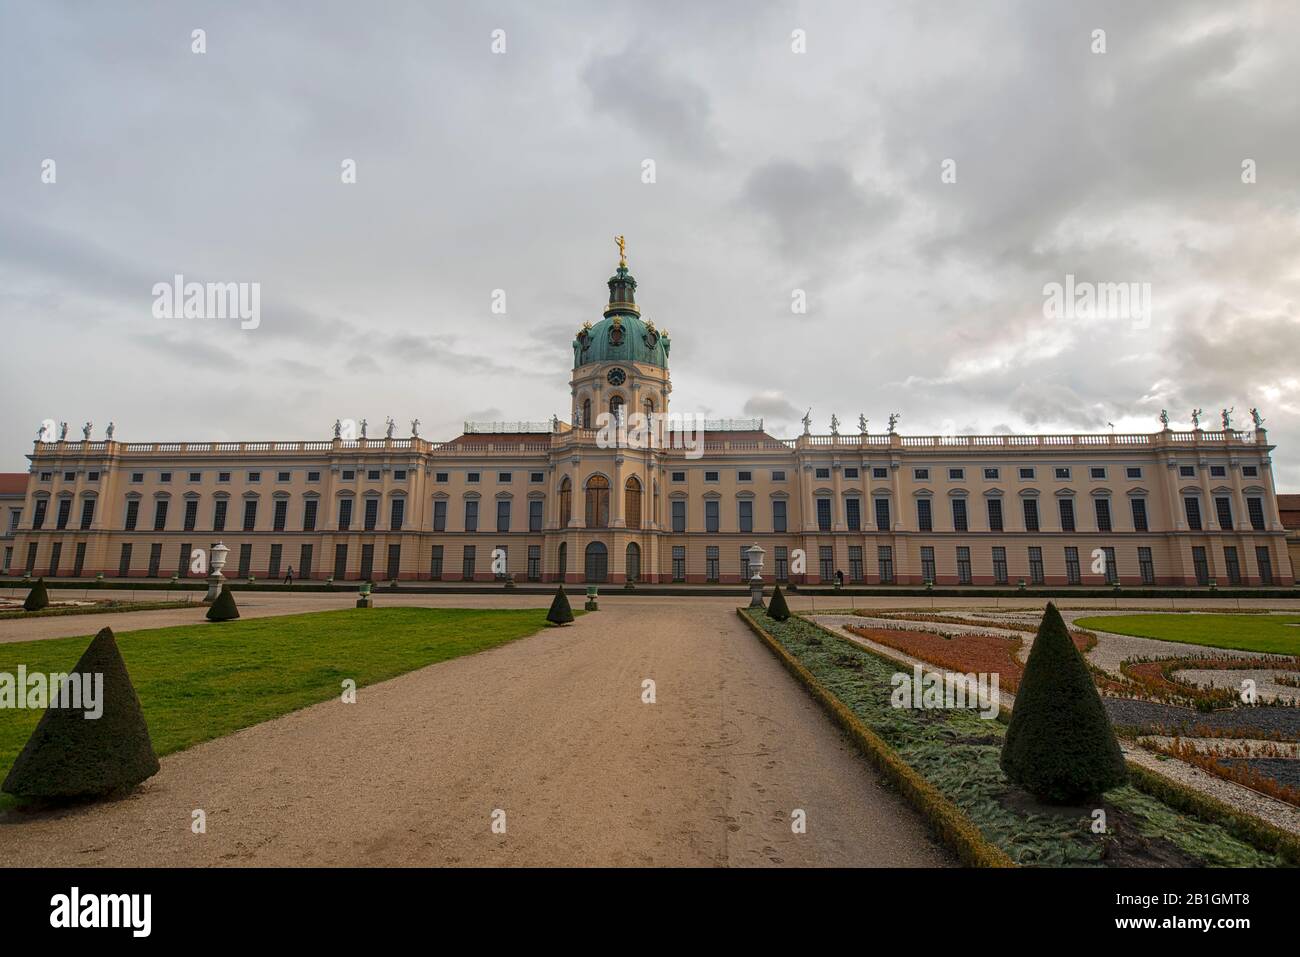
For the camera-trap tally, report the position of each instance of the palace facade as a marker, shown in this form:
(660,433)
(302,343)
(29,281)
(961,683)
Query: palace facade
(575,502)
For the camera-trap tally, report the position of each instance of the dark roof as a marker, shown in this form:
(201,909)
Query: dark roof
(13,483)
(1289,507)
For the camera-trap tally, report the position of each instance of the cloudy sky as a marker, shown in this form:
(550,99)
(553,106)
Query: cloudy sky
(775,171)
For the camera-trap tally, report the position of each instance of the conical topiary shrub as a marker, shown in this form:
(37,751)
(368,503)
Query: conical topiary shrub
(223,606)
(1060,746)
(72,756)
(777,609)
(560,613)
(38,597)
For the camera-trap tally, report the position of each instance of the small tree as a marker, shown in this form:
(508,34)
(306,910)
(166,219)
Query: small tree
(71,755)
(777,609)
(560,613)
(223,607)
(38,597)
(1060,745)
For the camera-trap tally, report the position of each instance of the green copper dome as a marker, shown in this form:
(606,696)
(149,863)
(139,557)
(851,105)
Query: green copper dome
(622,336)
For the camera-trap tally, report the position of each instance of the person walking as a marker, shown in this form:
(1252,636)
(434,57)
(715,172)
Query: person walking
(288,576)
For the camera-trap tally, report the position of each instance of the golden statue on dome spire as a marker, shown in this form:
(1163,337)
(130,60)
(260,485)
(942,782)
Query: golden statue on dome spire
(622,251)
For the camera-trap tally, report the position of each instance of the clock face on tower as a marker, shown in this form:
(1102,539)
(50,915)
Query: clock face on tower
(616,376)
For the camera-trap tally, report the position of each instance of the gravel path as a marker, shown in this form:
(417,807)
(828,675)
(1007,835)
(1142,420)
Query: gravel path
(552,730)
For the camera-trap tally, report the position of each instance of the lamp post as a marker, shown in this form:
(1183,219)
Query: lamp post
(216,579)
(756,579)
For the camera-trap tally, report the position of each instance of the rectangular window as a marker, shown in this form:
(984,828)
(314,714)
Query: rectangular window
(535,515)
(711,515)
(995,514)
(744,563)
(1112,569)
(1102,507)
(1250,471)
(853,513)
(340,562)
(679,477)
(921,475)
(1255,508)
(1202,565)
(999,564)
(1133,472)
(309,516)
(1187,471)
(778,475)
(882,514)
(223,476)
(959,515)
(534,563)
(710,476)
(744,476)
(824,514)
(396,514)
(399,475)
(822,473)
(345,514)
(136,477)
(372,475)
(1146,567)
(503,515)
(1067,514)
(440,515)
(1027,474)
(963,565)
(1035,565)
(250,514)
(1097,472)
(1139,506)
(163,477)
(1232,564)
(1223,511)
(132,514)
(778,515)
(782,563)
(885,559)
(711,571)
(78,561)
(273,567)
(746,515)
(927,563)
(471,515)
(850,473)
(442,478)
(88,513)
(65,510)
(472,477)
(1265,562)
(394,561)
(255,476)
(855,563)
(536,478)
(123,563)
(1192,505)
(280,516)
(679,563)
(191,514)
(160,515)
(1031,514)
(504,478)
(990,475)
(367,562)
(826,562)
(1072,565)
(312,477)
(435,563)
(219,515)
(1218,471)
(371,514)
(679,516)
(245,559)
(880,473)
(304,561)
(281,477)
(1062,473)
(956,475)
(55,552)
(924,518)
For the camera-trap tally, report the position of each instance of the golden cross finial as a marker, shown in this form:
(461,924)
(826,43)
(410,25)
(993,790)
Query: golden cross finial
(622,251)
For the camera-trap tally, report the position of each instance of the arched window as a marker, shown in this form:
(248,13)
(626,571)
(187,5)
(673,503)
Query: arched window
(562,559)
(633,568)
(649,408)
(597,564)
(615,408)
(586,413)
(598,502)
(566,502)
(632,502)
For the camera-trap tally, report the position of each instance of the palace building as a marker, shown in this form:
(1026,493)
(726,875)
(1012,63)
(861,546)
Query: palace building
(579,501)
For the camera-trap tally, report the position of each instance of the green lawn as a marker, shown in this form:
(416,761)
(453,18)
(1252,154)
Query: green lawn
(198,682)
(1278,634)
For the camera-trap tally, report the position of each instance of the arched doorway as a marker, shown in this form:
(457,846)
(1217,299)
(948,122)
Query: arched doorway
(633,562)
(598,502)
(562,559)
(632,502)
(597,563)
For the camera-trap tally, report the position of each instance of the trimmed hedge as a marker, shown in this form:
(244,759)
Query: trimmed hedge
(953,827)
(38,597)
(97,609)
(777,609)
(223,606)
(71,756)
(1060,746)
(560,613)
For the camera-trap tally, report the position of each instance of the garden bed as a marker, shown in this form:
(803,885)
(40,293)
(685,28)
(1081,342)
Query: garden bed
(955,753)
